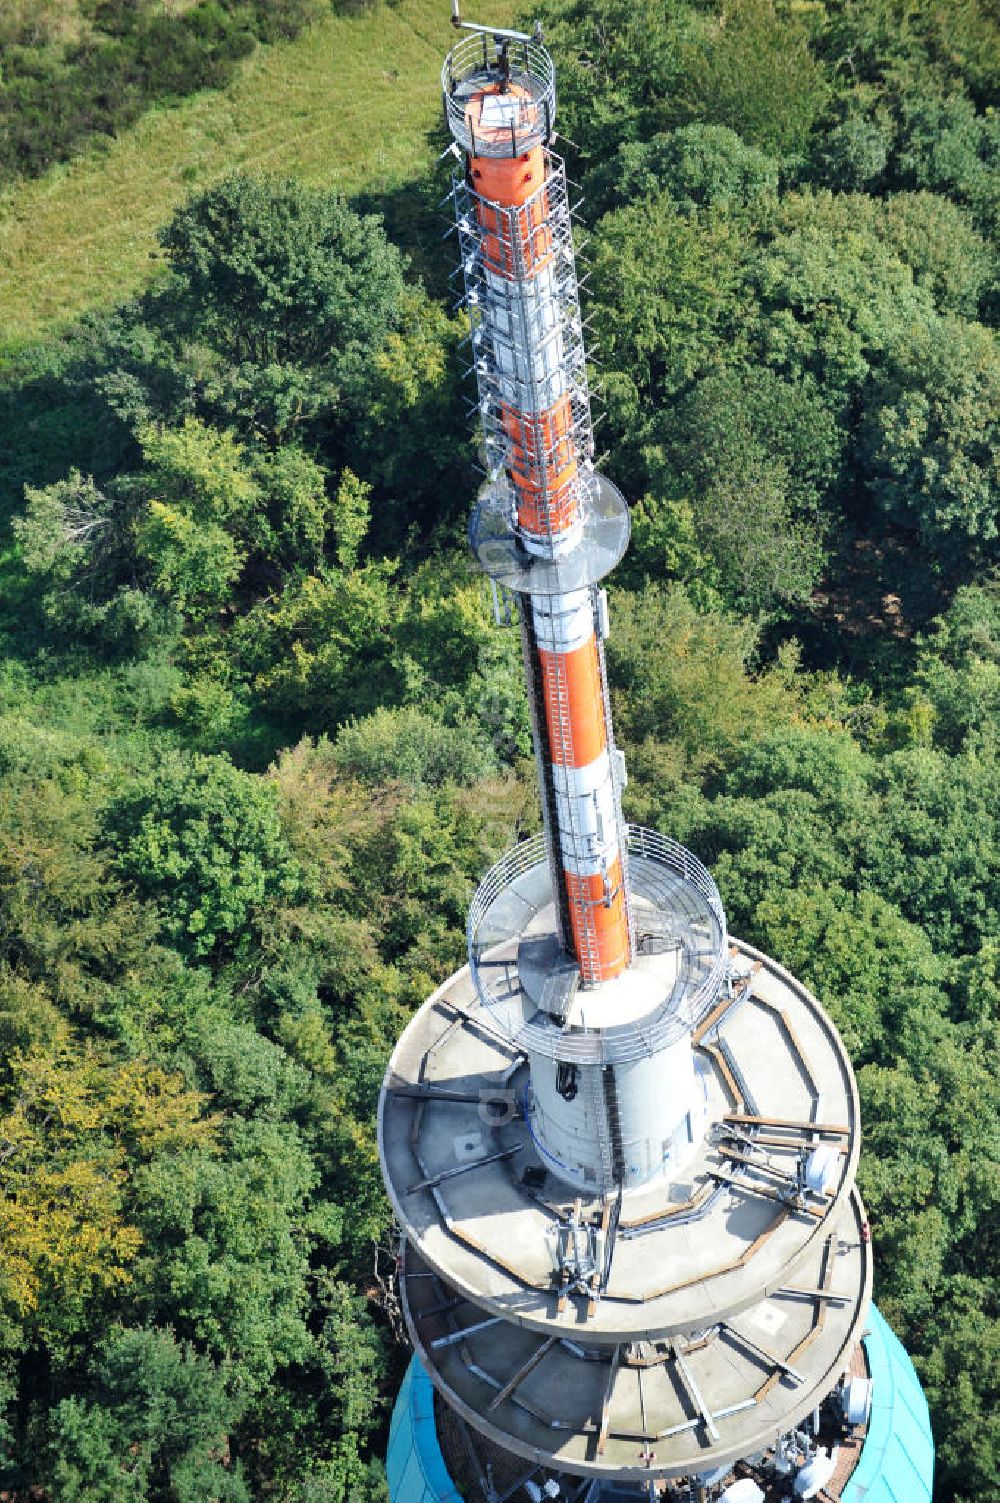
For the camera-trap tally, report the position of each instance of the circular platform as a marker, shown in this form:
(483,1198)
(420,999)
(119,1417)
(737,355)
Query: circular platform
(642,1409)
(479,1206)
(604,535)
(631,996)
(473,67)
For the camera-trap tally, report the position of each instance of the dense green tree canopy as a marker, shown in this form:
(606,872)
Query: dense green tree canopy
(205,842)
(700,166)
(278,274)
(260,736)
(932,439)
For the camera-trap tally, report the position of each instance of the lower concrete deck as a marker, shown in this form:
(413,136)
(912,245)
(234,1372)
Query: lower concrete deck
(650,1408)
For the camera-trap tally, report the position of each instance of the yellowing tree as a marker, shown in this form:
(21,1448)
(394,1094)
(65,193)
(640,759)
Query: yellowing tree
(72,1128)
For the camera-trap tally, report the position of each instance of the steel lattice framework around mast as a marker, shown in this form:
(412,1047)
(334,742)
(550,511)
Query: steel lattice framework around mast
(515,235)
(620,1145)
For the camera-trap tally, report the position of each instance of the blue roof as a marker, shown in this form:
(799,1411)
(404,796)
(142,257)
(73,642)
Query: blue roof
(414,1465)
(897,1462)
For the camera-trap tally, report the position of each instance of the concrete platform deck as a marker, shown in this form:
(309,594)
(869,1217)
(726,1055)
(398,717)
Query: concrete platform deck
(479,1208)
(679,964)
(650,1408)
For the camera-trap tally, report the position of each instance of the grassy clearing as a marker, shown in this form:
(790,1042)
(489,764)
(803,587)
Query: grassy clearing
(349,104)
(61,23)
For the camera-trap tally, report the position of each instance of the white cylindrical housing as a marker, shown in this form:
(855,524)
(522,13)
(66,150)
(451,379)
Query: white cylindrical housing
(586,805)
(563,623)
(525,323)
(645,1118)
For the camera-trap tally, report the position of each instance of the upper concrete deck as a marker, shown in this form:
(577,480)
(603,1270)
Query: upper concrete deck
(477,1205)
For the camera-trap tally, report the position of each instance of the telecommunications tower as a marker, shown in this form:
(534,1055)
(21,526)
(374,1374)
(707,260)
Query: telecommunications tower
(620,1144)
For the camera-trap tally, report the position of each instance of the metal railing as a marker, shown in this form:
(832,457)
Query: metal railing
(527,348)
(664,875)
(522,858)
(481,62)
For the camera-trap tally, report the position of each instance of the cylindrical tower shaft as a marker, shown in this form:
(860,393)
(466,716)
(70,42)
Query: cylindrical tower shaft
(526,298)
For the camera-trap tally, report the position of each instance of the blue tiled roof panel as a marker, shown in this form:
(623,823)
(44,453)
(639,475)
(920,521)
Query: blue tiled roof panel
(897,1462)
(414,1466)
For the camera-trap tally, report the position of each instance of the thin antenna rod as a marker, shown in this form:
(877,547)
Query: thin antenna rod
(492,31)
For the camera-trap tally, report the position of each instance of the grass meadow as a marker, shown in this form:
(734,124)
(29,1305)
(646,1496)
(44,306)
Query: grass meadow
(350,104)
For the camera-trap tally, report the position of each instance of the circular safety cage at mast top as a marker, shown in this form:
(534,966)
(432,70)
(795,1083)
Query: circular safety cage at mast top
(676,905)
(499,95)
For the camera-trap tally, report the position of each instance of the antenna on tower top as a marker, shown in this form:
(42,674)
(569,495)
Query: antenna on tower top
(535,35)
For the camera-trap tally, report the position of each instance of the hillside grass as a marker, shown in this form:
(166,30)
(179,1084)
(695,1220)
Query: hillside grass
(351,104)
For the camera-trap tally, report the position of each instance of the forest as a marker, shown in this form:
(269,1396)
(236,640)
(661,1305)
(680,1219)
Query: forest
(260,734)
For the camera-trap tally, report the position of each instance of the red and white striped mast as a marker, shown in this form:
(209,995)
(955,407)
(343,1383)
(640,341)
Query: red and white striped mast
(547,526)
